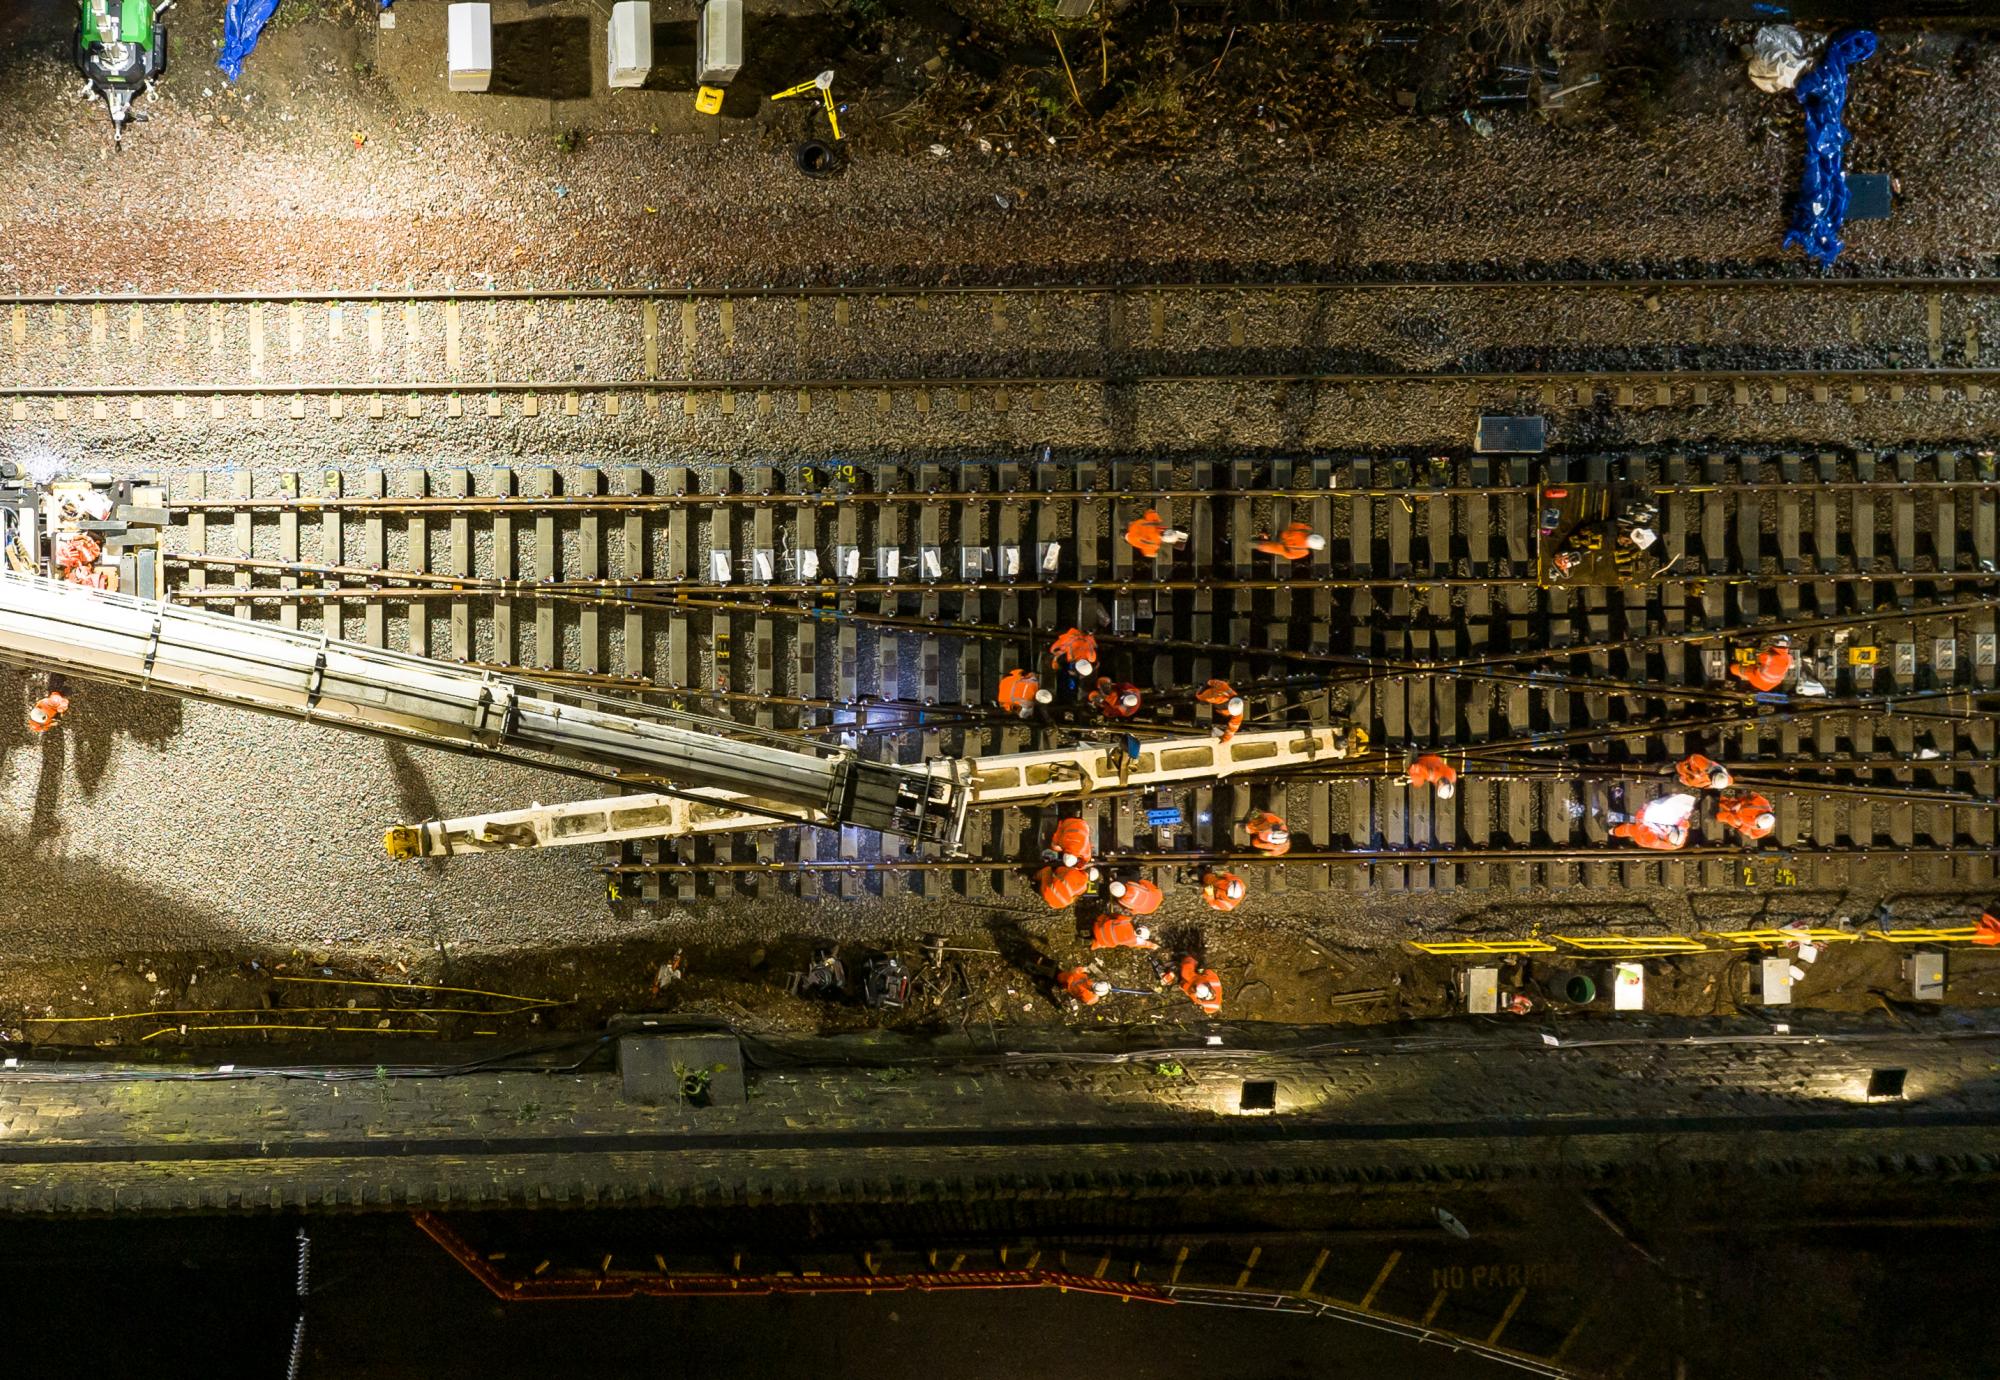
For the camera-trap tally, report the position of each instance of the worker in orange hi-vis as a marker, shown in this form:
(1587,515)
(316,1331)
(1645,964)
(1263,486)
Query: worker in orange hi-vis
(1117,930)
(1021,691)
(1061,886)
(1202,985)
(1295,543)
(1115,701)
(1268,834)
(1748,813)
(1432,770)
(1987,931)
(1069,844)
(1075,649)
(1663,838)
(1148,534)
(1770,668)
(1141,898)
(1078,983)
(1223,890)
(47,711)
(1699,773)
(1228,705)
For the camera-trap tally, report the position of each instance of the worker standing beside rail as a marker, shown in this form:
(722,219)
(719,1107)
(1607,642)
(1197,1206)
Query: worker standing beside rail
(1295,543)
(1148,534)
(1228,704)
(1075,650)
(1020,693)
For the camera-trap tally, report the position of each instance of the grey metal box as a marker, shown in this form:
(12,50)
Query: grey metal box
(1482,991)
(1776,976)
(652,1067)
(718,42)
(1925,969)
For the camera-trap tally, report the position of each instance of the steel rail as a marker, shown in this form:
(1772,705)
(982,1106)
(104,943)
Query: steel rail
(628,503)
(433,585)
(1926,375)
(1353,857)
(752,292)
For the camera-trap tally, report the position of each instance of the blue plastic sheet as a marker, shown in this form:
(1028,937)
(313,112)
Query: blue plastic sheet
(1822,204)
(242,22)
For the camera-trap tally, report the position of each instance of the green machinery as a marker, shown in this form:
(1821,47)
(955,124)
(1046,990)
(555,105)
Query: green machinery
(121,50)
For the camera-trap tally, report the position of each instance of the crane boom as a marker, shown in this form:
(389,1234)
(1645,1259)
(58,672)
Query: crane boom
(160,647)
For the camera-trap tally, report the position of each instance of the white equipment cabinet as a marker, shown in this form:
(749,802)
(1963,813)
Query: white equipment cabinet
(629,42)
(469,47)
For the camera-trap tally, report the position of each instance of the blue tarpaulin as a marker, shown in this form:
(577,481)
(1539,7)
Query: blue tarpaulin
(242,22)
(1822,204)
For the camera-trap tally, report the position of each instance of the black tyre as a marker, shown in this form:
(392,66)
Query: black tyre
(817,158)
(159,50)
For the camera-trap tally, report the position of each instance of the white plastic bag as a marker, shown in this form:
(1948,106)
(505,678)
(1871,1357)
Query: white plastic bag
(1779,56)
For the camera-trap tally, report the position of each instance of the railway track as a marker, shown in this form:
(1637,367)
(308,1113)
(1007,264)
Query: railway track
(881,605)
(1665,341)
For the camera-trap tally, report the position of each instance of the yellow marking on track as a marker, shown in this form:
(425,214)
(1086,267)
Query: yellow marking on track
(1388,1267)
(1513,1307)
(1312,1275)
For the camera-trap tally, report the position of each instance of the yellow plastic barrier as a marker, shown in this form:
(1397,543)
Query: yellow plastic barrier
(1961,935)
(1461,948)
(1630,944)
(1758,938)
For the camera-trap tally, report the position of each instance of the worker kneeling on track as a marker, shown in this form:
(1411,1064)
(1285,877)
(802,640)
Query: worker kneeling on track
(1070,844)
(1432,770)
(1223,890)
(1701,774)
(1203,986)
(1076,650)
(1227,703)
(1748,813)
(1021,692)
(1115,700)
(1268,834)
(1078,983)
(1139,897)
(1662,824)
(1769,670)
(1148,534)
(1115,929)
(1062,886)
(1295,543)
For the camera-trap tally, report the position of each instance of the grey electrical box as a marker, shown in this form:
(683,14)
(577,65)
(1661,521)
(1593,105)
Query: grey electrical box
(1511,435)
(1775,975)
(718,42)
(695,1070)
(1925,969)
(1482,991)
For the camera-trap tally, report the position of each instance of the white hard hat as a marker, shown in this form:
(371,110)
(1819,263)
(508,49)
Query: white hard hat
(1235,887)
(1117,888)
(1091,873)
(1782,640)
(1142,932)
(1069,860)
(1718,775)
(1044,697)
(1203,991)
(1084,668)
(38,715)
(1767,820)
(1643,537)
(1129,700)
(1315,542)
(1278,835)
(1235,705)
(1446,790)
(1101,988)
